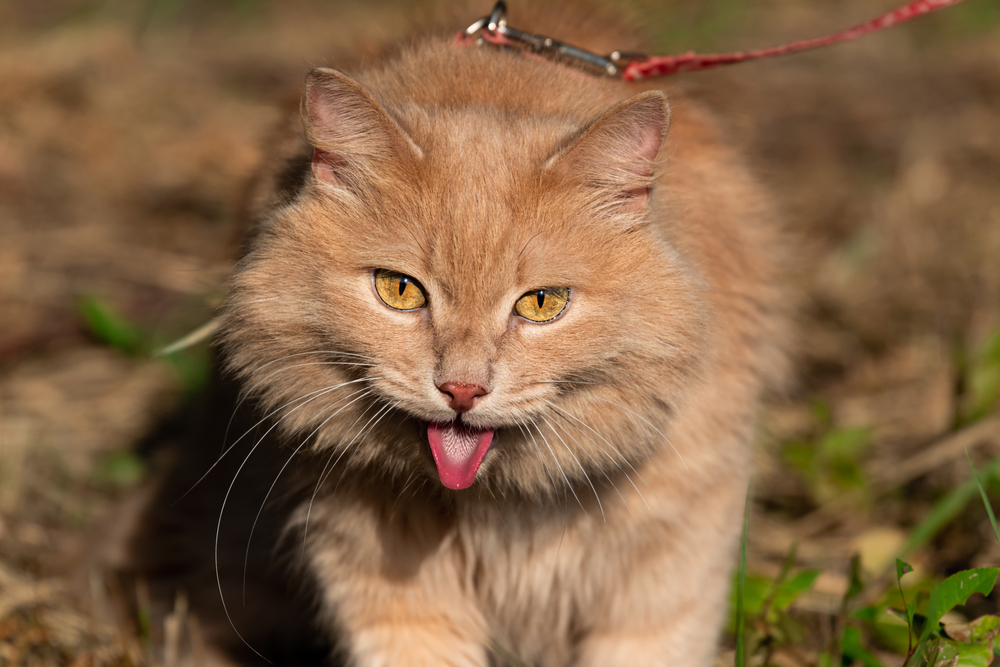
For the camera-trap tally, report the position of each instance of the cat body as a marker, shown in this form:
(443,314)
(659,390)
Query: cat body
(461,473)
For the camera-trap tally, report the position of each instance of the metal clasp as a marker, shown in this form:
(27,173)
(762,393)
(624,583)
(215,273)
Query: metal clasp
(493,29)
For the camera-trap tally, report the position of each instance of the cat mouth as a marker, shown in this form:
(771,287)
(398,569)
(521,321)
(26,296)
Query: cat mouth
(458,451)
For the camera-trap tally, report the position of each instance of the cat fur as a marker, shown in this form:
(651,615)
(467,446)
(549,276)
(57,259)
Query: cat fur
(601,527)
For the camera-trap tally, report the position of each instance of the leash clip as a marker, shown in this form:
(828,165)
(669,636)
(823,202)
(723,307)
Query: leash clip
(493,29)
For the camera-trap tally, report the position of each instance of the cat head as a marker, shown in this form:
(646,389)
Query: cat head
(474,295)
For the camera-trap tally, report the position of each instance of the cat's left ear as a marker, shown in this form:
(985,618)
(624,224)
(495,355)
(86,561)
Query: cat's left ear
(616,154)
(352,134)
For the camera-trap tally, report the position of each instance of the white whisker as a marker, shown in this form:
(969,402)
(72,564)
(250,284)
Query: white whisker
(599,467)
(318,394)
(365,431)
(324,474)
(567,413)
(218,530)
(246,556)
(582,469)
(599,398)
(668,345)
(247,303)
(541,457)
(603,384)
(409,480)
(559,466)
(245,394)
(496,504)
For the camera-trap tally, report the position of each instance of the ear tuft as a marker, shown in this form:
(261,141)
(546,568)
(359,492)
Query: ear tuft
(351,133)
(616,154)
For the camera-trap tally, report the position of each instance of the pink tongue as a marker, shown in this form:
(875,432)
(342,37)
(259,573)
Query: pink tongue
(458,452)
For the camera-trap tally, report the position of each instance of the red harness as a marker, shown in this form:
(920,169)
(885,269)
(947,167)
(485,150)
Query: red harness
(632,66)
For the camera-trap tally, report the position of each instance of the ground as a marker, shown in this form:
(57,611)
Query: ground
(128,131)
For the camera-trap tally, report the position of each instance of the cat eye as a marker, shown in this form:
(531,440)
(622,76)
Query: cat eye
(543,305)
(399,291)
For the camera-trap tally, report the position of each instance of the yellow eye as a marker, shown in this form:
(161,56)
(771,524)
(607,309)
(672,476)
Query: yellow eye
(399,291)
(543,305)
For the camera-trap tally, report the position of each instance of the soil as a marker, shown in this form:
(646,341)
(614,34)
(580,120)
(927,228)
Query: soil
(128,132)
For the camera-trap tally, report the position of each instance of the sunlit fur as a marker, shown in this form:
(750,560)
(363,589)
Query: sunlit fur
(600,528)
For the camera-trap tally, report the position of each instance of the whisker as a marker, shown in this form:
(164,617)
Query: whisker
(496,504)
(599,467)
(247,393)
(668,345)
(218,530)
(333,452)
(640,417)
(246,303)
(292,356)
(323,474)
(218,526)
(541,458)
(563,411)
(559,466)
(302,354)
(319,393)
(365,431)
(246,556)
(409,480)
(582,469)
(562,536)
(570,382)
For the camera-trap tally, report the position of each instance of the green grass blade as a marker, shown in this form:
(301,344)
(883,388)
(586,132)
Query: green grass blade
(855,650)
(741,580)
(793,588)
(901,569)
(944,511)
(982,492)
(110,327)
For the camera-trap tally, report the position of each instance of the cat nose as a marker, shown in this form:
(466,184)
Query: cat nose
(461,397)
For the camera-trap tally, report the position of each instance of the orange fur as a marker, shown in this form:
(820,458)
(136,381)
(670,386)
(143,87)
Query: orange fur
(601,526)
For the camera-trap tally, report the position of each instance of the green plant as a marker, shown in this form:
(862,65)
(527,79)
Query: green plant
(830,462)
(741,578)
(190,360)
(980,379)
(919,631)
(761,620)
(968,644)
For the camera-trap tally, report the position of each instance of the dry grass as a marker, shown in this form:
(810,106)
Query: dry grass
(128,130)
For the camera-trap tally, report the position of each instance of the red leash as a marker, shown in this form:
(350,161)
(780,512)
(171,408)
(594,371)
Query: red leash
(636,66)
(662,65)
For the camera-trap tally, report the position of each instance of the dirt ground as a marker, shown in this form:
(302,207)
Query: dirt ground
(128,131)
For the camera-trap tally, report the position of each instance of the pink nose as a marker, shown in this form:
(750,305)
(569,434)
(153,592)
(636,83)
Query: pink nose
(461,397)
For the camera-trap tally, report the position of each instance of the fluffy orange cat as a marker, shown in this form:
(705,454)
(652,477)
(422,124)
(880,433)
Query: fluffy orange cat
(503,337)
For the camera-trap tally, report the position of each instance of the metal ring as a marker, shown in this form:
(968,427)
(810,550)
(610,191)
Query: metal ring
(498,17)
(477,26)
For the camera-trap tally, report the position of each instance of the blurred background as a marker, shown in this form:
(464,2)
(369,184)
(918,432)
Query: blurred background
(129,129)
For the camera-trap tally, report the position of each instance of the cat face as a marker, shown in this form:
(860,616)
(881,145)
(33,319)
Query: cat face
(471,295)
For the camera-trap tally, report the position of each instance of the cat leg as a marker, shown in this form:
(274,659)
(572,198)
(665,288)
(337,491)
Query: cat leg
(686,636)
(668,608)
(388,624)
(393,589)
(689,642)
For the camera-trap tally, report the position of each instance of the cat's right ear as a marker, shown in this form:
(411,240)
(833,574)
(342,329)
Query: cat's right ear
(352,135)
(616,155)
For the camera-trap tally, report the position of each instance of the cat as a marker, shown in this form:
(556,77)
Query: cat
(492,355)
